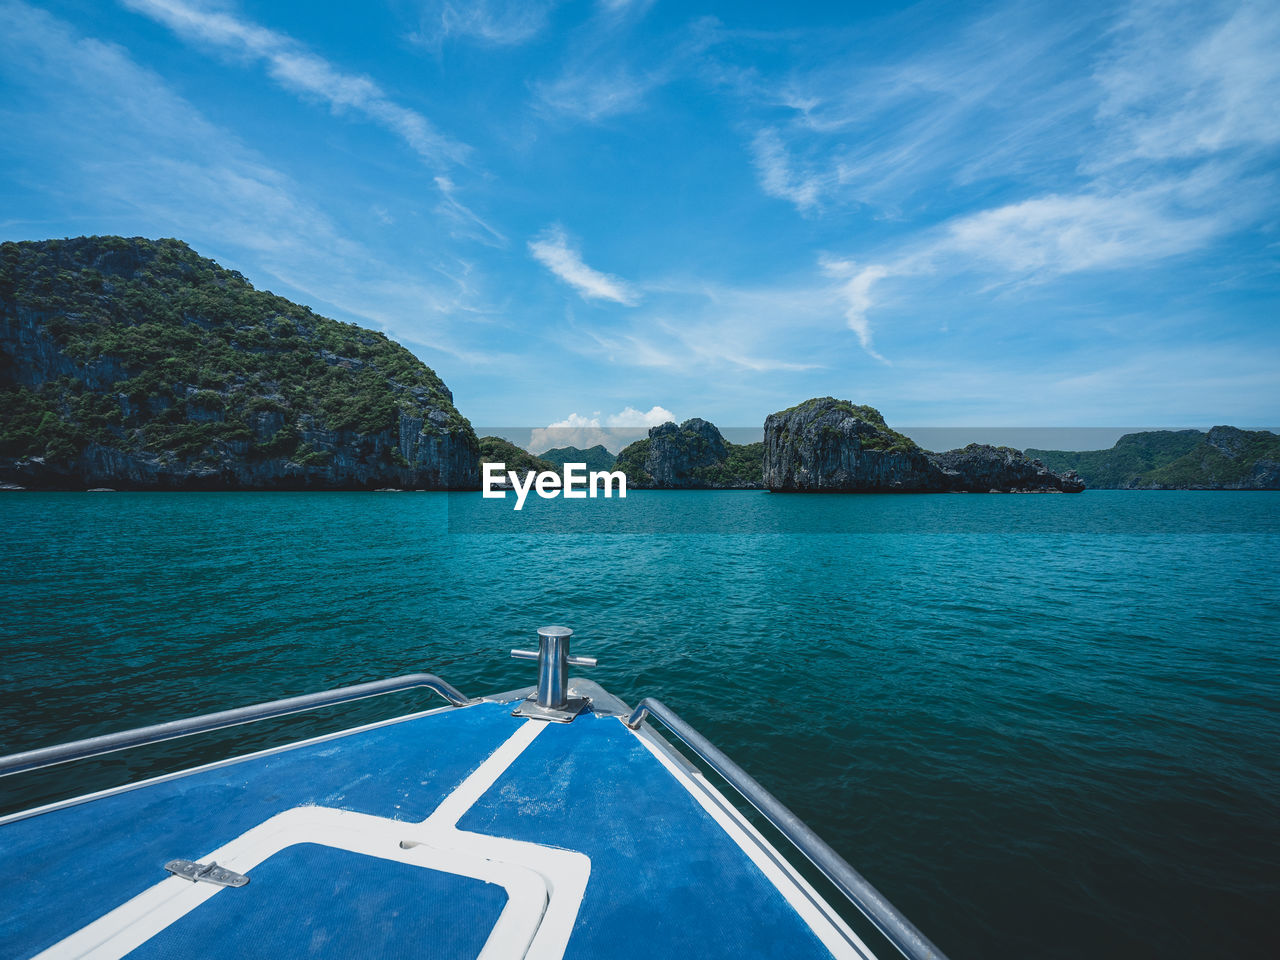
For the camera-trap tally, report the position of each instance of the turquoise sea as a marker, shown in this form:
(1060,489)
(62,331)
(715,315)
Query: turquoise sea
(1044,726)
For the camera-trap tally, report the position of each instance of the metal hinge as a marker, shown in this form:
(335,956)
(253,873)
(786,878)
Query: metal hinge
(206,873)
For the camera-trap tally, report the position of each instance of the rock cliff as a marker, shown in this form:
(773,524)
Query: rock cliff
(832,445)
(138,364)
(691,456)
(829,445)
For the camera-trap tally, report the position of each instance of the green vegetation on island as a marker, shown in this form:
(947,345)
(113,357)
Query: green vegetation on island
(1133,456)
(596,458)
(692,455)
(498,450)
(145,357)
(630,460)
(742,467)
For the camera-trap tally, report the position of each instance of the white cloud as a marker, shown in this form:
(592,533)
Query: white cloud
(686,346)
(696,327)
(779,179)
(614,431)
(297,69)
(1023,97)
(553,250)
(856,291)
(1064,234)
(620,6)
(1043,238)
(631,417)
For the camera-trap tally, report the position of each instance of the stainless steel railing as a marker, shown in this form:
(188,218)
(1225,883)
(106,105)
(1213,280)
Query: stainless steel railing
(95,746)
(869,901)
(897,929)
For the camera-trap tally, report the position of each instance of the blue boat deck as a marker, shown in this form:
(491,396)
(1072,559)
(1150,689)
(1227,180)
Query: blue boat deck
(464,832)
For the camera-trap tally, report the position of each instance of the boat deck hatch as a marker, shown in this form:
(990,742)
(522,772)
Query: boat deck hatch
(311,900)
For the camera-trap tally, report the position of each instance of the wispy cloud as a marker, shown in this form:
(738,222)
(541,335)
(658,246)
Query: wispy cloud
(593,93)
(299,70)
(778,176)
(153,164)
(467,223)
(855,287)
(676,347)
(613,431)
(625,6)
(996,97)
(608,74)
(1053,235)
(500,23)
(1165,146)
(554,251)
(1166,384)
(1038,240)
(1190,80)
(701,327)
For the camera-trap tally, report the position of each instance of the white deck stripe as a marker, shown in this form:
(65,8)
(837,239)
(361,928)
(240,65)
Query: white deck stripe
(565,872)
(464,796)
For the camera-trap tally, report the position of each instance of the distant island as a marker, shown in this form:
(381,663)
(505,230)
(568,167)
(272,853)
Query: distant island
(128,363)
(1225,458)
(826,445)
(596,458)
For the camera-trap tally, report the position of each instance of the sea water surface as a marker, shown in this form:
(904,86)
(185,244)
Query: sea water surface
(1042,726)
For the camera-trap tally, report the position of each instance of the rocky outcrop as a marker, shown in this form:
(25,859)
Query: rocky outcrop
(137,364)
(828,445)
(691,456)
(981,468)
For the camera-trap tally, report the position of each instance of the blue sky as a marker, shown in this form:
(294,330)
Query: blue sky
(615,212)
